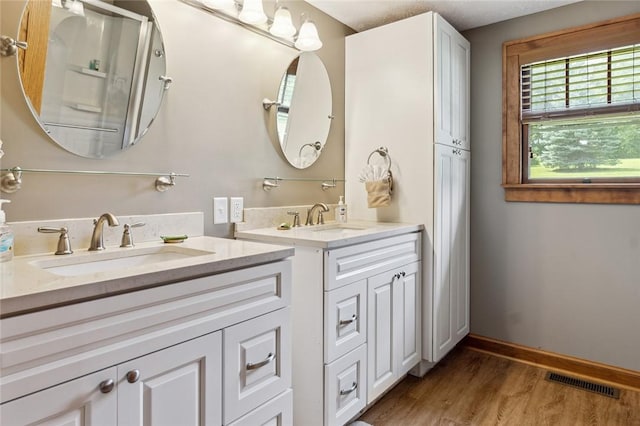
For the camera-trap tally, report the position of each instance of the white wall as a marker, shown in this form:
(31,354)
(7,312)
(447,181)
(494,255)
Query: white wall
(561,277)
(211,125)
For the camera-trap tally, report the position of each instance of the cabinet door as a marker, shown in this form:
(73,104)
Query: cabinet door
(257,362)
(89,400)
(452,85)
(407,324)
(380,343)
(180,385)
(451,247)
(393,329)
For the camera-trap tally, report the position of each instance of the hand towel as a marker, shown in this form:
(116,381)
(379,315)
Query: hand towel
(378,193)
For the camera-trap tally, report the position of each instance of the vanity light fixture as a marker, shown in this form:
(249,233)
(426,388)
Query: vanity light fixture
(252,12)
(308,39)
(282,25)
(250,15)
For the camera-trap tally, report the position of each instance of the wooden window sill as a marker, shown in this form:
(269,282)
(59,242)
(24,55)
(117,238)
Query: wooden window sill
(599,193)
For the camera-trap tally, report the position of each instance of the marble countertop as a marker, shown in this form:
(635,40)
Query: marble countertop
(329,236)
(26,287)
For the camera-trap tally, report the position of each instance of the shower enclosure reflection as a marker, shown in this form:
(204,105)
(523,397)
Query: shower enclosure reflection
(103,78)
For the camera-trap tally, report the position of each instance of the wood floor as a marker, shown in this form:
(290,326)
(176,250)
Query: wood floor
(474,388)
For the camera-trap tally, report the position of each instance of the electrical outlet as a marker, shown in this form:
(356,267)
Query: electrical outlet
(235,210)
(220,210)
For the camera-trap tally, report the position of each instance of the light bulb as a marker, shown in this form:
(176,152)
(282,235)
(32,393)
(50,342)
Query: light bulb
(308,39)
(252,12)
(282,25)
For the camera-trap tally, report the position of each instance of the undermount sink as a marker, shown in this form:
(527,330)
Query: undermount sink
(337,227)
(118,259)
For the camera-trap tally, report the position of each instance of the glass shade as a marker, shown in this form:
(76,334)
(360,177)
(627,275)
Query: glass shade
(252,12)
(308,39)
(282,25)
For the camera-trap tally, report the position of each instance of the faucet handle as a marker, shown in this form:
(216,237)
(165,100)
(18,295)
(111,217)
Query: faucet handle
(296,218)
(320,218)
(127,238)
(64,245)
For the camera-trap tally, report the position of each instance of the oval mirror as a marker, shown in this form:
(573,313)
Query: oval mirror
(93,72)
(303,116)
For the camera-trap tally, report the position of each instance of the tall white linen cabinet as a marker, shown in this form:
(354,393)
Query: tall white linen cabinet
(407,89)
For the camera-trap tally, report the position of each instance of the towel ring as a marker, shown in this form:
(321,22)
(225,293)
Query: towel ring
(383,152)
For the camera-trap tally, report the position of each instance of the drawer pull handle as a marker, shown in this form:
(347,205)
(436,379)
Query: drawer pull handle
(133,376)
(107,386)
(353,319)
(348,391)
(257,365)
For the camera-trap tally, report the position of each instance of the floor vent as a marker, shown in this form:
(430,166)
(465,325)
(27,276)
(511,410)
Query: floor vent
(605,390)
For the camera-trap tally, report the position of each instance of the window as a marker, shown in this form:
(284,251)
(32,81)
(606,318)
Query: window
(571,108)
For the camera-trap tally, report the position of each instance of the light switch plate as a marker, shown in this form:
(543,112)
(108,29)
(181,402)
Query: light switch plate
(220,210)
(235,209)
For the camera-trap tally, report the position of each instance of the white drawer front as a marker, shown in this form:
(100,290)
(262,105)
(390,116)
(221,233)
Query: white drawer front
(348,264)
(276,412)
(345,319)
(257,362)
(345,391)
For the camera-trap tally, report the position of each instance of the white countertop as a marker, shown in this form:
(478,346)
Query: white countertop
(329,236)
(25,287)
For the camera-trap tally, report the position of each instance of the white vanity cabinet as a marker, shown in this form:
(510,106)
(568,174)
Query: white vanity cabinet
(356,321)
(157,356)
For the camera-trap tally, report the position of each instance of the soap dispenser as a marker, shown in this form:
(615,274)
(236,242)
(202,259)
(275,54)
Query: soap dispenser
(341,211)
(6,236)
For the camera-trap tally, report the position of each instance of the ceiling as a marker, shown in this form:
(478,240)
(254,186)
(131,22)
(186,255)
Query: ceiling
(462,14)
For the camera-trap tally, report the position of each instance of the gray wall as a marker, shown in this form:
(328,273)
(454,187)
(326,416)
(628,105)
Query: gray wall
(560,277)
(211,125)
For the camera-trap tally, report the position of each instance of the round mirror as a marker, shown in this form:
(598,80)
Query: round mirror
(303,114)
(93,72)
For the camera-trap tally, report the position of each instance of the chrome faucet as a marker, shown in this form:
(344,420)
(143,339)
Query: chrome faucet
(310,212)
(97,243)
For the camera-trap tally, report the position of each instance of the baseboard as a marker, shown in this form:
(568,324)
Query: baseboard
(576,366)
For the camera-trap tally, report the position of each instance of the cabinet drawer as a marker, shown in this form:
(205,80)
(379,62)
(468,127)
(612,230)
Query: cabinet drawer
(257,362)
(345,387)
(348,264)
(345,319)
(276,412)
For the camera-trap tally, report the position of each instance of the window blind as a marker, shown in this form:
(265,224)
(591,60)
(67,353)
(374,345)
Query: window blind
(604,82)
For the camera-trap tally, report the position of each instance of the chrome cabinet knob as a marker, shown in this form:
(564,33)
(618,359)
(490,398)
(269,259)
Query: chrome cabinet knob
(133,376)
(107,386)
